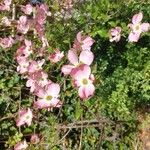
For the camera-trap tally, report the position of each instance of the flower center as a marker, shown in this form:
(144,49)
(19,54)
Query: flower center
(85,81)
(49,97)
(137,27)
(42,79)
(27,117)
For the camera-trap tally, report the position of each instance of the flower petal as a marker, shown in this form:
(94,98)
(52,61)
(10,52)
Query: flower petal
(73,58)
(56,102)
(145,27)
(86,91)
(40,93)
(83,71)
(133,37)
(42,104)
(86,57)
(53,89)
(79,36)
(137,18)
(66,69)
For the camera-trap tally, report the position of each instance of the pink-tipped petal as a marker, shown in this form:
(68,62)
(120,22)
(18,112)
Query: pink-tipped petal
(29,83)
(145,27)
(137,18)
(56,102)
(20,122)
(86,57)
(87,91)
(133,37)
(53,89)
(92,78)
(79,36)
(21,146)
(40,93)
(41,104)
(83,71)
(72,57)
(88,41)
(66,69)
(130,25)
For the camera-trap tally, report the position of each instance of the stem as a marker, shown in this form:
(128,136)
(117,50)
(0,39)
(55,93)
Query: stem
(13,18)
(80,145)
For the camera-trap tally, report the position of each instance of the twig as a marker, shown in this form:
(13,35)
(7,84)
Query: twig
(19,109)
(65,134)
(8,117)
(78,126)
(34,15)
(13,18)
(80,145)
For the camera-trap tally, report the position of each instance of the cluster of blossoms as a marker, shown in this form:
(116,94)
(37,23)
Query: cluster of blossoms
(136,28)
(80,58)
(23,145)
(40,86)
(29,66)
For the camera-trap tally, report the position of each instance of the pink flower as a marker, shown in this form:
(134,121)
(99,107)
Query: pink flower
(21,146)
(5,21)
(83,79)
(35,66)
(48,97)
(41,15)
(25,50)
(23,25)
(34,139)
(56,56)
(23,64)
(25,117)
(44,8)
(41,78)
(36,80)
(83,42)
(5,5)
(86,57)
(27,9)
(115,34)
(6,42)
(44,42)
(137,27)
(32,84)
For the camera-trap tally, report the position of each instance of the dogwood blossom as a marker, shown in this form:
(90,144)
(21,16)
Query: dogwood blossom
(27,9)
(34,139)
(23,25)
(5,21)
(85,57)
(137,27)
(23,64)
(6,42)
(83,42)
(25,117)
(56,56)
(25,50)
(36,80)
(48,97)
(44,41)
(35,66)
(83,79)
(21,146)
(5,5)
(115,34)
